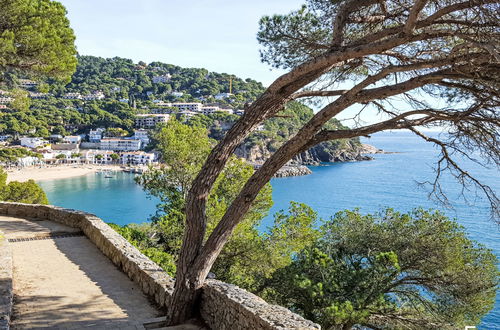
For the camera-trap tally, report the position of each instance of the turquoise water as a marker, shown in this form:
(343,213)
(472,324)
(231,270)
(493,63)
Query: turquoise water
(389,180)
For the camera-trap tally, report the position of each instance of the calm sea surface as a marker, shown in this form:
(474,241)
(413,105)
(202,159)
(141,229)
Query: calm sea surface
(389,180)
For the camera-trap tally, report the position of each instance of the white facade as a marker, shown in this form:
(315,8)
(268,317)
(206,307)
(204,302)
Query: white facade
(192,106)
(150,120)
(209,110)
(26,83)
(32,142)
(94,96)
(161,79)
(222,96)
(34,95)
(142,134)
(95,135)
(137,158)
(189,114)
(72,96)
(120,144)
(98,157)
(5,99)
(73,139)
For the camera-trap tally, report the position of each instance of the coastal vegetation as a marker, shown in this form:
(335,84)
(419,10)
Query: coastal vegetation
(389,270)
(399,59)
(251,255)
(21,192)
(36,39)
(415,270)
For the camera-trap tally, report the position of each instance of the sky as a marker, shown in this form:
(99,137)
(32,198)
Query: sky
(219,35)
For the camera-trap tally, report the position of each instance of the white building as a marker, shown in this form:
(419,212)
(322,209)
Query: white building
(137,158)
(5,99)
(117,144)
(26,83)
(150,120)
(161,103)
(192,106)
(162,79)
(207,110)
(72,96)
(32,142)
(98,157)
(177,94)
(222,96)
(189,114)
(94,96)
(142,134)
(73,139)
(95,135)
(38,96)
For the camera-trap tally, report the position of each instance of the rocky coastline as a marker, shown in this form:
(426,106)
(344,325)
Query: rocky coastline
(315,156)
(291,170)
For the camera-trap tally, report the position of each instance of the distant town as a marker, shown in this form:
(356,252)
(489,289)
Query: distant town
(100,145)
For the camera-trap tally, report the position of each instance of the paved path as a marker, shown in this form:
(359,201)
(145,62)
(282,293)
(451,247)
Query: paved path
(65,282)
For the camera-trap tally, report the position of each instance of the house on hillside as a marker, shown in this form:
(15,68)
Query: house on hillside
(150,120)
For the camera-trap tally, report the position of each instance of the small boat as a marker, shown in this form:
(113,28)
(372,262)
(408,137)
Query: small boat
(108,175)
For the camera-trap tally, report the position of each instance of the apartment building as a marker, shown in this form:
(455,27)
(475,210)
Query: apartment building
(72,96)
(191,106)
(143,135)
(72,139)
(137,158)
(95,135)
(26,83)
(32,142)
(150,120)
(117,144)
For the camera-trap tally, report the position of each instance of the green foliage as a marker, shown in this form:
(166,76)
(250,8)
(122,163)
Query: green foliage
(141,237)
(21,101)
(35,37)
(250,256)
(22,192)
(389,270)
(11,155)
(121,78)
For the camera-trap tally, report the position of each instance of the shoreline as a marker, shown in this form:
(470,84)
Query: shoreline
(54,172)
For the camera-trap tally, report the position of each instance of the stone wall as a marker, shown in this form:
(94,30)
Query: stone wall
(223,306)
(6,293)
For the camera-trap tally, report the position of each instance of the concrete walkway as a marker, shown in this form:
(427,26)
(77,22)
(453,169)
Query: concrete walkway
(62,281)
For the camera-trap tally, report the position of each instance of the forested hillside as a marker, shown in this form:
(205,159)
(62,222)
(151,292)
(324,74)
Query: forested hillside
(121,78)
(128,89)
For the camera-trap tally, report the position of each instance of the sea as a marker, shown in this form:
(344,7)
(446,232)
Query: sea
(389,180)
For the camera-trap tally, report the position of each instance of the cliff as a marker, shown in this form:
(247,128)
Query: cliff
(322,153)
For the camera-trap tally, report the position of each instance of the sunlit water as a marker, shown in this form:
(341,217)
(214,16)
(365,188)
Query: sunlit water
(389,180)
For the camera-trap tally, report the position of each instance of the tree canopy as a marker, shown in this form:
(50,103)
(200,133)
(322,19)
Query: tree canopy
(36,38)
(22,192)
(251,256)
(400,59)
(390,271)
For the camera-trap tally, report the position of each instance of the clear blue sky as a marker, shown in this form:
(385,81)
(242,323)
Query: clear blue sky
(219,35)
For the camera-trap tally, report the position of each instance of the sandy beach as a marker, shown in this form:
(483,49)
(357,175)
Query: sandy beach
(54,172)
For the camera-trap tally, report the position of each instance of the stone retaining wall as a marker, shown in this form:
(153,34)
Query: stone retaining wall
(6,294)
(223,306)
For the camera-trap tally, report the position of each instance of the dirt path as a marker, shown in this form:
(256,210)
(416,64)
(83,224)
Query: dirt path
(67,282)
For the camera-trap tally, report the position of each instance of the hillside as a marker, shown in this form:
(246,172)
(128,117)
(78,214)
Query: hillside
(110,92)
